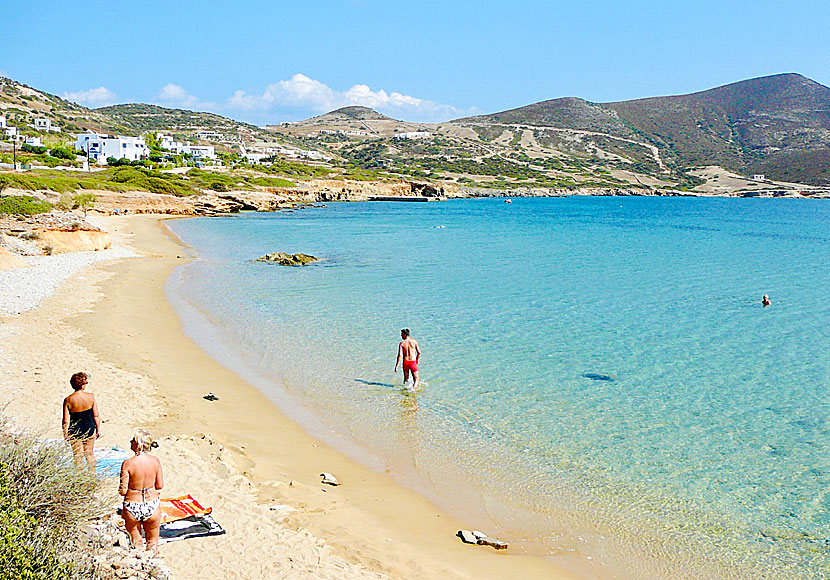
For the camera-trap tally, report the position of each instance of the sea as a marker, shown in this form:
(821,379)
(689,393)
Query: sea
(600,383)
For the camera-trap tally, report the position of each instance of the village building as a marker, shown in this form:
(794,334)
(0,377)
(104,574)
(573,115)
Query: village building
(102,147)
(33,141)
(759,177)
(209,135)
(179,148)
(2,122)
(412,135)
(44,124)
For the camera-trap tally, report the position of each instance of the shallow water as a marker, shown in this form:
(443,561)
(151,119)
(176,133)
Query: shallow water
(601,379)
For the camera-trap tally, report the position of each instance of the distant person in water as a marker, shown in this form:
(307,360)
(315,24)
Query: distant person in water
(765,301)
(81,422)
(409,352)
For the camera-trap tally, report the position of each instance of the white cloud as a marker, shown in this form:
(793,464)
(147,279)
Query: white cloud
(92,98)
(176,96)
(302,92)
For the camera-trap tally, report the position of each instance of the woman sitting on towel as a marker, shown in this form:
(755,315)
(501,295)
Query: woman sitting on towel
(141,480)
(81,423)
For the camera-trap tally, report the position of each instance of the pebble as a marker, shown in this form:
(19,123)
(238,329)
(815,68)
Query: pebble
(23,289)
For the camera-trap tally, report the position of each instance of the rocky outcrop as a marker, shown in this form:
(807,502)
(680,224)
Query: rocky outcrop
(9,261)
(61,241)
(111,556)
(284,259)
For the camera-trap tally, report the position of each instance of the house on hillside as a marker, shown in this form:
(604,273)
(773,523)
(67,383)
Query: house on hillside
(412,135)
(101,147)
(759,177)
(33,141)
(11,132)
(44,124)
(2,122)
(168,143)
(209,135)
(198,151)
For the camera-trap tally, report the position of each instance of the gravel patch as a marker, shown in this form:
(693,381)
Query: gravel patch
(23,289)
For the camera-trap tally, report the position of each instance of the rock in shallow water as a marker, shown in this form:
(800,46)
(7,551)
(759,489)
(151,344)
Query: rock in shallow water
(284,259)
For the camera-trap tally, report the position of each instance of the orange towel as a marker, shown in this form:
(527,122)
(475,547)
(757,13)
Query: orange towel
(177,508)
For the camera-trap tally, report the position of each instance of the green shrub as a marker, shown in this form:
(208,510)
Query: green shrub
(44,499)
(23,205)
(63,153)
(32,149)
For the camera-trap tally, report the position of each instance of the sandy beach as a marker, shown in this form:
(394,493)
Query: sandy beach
(239,454)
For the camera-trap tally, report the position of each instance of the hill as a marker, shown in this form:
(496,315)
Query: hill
(777,125)
(350,113)
(21,104)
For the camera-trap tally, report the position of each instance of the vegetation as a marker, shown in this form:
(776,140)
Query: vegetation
(44,501)
(282,166)
(23,205)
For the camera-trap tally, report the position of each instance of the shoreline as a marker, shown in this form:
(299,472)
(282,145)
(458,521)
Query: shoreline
(239,454)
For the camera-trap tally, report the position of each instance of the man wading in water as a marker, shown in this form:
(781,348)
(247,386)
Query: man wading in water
(410,352)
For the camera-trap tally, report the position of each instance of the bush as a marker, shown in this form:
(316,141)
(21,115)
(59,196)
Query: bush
(63,153)
(32,149)
(23,205)
(44,499)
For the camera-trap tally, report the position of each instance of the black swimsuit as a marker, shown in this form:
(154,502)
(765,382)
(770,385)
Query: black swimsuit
(82,424)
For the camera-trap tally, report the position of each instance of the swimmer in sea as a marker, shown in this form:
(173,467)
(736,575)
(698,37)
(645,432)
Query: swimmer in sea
(410,353)
(765,301)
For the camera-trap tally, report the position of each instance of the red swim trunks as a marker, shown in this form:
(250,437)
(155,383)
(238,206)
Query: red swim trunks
(410,365)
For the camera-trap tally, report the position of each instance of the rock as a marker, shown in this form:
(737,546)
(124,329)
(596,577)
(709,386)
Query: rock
(60,241)
(483,540)
(467,537)
(211,397)
(329,479)
(284,259)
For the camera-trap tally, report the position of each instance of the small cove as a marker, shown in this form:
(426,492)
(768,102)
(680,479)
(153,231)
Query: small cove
(600,377)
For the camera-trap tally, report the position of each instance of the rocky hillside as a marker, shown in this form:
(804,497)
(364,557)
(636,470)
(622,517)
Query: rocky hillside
(778,125)
(710,142)
(21,104)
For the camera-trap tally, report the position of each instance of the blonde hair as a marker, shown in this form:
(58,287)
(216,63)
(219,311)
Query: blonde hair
(143,439)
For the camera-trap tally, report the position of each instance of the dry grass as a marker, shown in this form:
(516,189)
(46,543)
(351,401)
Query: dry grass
(44,502)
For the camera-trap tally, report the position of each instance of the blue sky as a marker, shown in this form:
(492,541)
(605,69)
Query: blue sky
(267,62)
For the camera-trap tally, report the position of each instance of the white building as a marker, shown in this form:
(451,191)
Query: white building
(44,124)
(412,135)
(2,122)
(759,177)
(11,132)
(198,151)
(168,143)
(101,147)
(33,141)
(209,135)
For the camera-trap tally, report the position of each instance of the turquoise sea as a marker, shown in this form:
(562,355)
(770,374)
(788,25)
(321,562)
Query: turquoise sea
(601,382)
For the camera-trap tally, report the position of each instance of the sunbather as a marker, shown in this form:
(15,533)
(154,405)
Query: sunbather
(141,480)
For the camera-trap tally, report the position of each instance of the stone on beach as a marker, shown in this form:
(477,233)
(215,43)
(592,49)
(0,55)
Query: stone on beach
(329,479)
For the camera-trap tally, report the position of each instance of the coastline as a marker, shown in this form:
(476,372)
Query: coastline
(239,454)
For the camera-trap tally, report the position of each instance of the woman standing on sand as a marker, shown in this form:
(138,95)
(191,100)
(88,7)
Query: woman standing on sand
(141,480)
(81,422)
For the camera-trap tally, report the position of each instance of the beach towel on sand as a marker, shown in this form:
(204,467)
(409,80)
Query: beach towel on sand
(178,508)
(108,461)
(197,526)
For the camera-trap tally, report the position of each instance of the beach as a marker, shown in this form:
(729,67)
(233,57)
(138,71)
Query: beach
(239,454)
